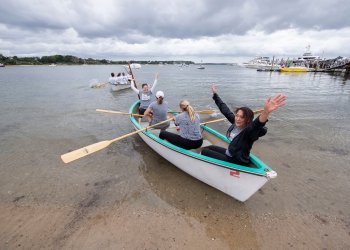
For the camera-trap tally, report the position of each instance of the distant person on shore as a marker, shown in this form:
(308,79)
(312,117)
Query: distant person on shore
(145,94)
(112,79)
(244,131)
(190,136)
(157,112)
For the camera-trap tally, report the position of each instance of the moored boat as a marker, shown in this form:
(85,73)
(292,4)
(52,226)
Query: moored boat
(201,66)
(239,182)
(261,63)
(294,69)
(307,55)
(299,65)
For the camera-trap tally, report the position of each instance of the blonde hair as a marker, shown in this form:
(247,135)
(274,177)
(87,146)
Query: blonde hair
(185,106)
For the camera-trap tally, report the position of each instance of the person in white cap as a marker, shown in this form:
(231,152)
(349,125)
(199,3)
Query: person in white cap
(158,111)
(190,136)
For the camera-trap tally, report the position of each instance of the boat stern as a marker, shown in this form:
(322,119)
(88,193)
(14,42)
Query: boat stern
(270,173)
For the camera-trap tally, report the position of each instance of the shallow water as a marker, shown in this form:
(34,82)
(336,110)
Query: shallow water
(48,111)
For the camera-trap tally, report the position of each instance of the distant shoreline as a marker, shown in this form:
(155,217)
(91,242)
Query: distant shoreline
(63,64)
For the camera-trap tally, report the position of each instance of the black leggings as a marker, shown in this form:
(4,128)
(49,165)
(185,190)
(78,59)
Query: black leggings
(142,111)
(217,153)
(180,141)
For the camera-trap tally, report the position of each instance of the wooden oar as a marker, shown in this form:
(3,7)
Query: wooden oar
(206,112)
(79,153)
(133,79)
(132,75)
(116,112)
(258,111)
(217,120)
(223,119)
(203,112)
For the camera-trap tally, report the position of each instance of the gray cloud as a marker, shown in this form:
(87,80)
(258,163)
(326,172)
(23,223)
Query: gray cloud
(156,23)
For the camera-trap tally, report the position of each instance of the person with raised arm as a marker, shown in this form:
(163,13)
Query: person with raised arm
(244,131)
(145,94)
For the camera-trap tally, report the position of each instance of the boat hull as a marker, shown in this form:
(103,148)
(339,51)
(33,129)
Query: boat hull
(294,69)
(237,181)
(119,87)
(236,184)
(261,66)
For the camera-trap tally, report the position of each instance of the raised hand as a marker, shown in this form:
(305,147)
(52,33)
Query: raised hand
(213,88)
(274,103)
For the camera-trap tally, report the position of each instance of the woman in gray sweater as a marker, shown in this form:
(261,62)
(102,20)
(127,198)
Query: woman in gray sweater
(190,136)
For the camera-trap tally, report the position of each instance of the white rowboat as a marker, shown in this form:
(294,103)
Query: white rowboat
(239,182)
(118,87)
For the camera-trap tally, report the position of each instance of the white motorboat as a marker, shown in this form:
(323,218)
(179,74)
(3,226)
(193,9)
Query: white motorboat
(261,63)
(239,182)
(307,55)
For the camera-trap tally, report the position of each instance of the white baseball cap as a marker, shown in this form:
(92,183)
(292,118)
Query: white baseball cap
(159,94)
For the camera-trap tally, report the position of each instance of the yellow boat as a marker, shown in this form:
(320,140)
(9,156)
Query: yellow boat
(294,69)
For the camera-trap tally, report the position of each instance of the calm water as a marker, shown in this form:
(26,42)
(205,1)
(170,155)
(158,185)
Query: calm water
(47,111)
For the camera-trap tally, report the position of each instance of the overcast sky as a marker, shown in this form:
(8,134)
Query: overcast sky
(212,31)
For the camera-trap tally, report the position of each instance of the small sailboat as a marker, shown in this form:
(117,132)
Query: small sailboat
(201,66)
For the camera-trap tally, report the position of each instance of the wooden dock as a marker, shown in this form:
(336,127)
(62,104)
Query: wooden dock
(333,65)
(338,64)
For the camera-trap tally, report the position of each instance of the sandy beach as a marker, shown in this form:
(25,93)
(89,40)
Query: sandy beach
(129,207)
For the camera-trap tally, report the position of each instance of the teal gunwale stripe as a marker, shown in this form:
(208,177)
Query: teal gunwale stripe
(261,166)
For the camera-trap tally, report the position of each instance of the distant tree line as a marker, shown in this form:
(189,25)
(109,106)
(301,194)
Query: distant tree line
(73,60)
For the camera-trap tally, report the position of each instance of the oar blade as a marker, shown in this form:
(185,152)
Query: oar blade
(81,152)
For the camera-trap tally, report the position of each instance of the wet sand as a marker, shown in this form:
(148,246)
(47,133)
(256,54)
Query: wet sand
(116,200)
(128,197)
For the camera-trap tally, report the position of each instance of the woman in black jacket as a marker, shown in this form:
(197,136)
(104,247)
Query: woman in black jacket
(244,131)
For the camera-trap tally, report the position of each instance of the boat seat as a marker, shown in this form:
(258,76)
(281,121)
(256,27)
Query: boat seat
(156,131)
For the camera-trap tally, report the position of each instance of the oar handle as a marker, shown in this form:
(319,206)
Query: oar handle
(202,112)
(217,120)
